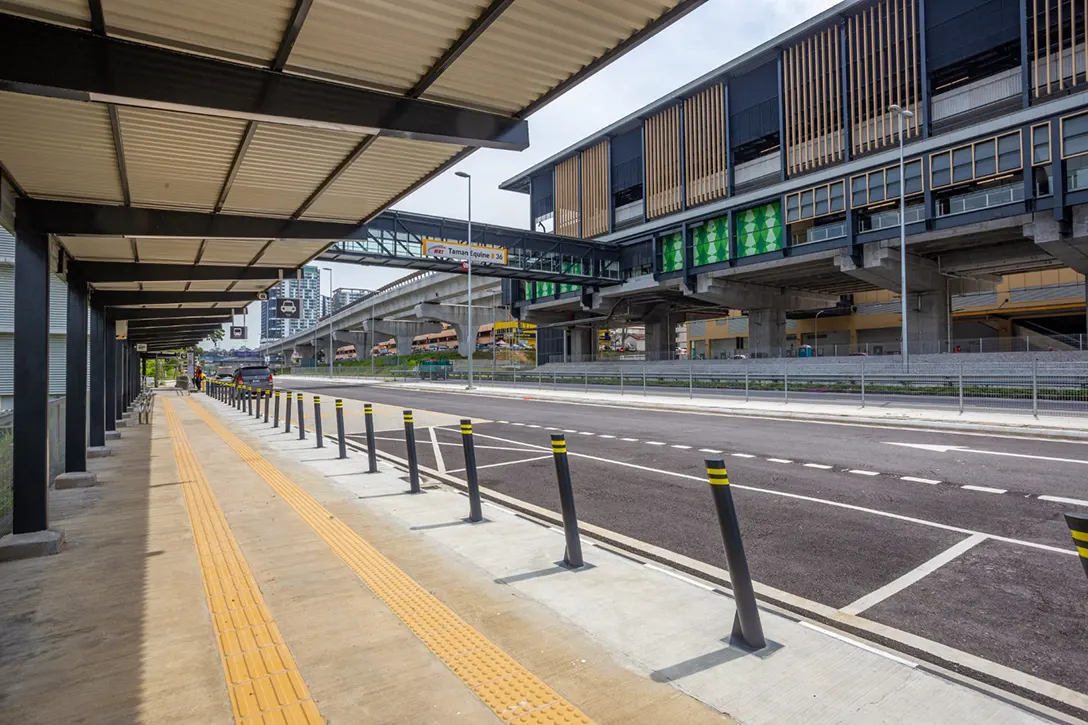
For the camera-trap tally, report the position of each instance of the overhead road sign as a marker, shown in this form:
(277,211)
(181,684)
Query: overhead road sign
(460,252)
(238,332)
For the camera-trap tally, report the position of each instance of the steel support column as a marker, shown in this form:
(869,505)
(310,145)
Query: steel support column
(30,432)
(109,370)
(96,431)
(75,388)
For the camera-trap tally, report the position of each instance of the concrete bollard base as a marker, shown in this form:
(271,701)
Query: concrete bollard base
(75,479)
(27,546)
(113,435)
(97,451)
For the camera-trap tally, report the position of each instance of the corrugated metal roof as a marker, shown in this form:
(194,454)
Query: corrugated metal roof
(290,253)
(59,149)
(244,29)
(177,160)
(284,165)
(382,44)
(537,44)
(386,168)
(209,286)
(101,249)
(168,250)
(67,12)
(231,251)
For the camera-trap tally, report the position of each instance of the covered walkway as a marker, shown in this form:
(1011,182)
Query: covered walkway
(244,584)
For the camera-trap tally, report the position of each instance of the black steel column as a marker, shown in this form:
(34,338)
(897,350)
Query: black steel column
(96,432)
(109,344)
(75,390)
(118,382)
(30,433)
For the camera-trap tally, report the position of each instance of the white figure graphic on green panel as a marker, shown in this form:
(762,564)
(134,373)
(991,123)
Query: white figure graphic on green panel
(759,230)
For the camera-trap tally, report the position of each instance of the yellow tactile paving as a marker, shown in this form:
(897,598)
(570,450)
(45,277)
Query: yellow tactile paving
(512,692)
(263,681)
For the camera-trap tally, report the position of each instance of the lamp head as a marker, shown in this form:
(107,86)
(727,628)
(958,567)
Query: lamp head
(462,174)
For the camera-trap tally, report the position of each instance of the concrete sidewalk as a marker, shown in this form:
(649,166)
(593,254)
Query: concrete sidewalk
(1071,427)
(664,626)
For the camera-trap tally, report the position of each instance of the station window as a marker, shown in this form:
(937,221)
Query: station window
(972,162)
(816,202)
(1040,144)
(883,184)
(1074,135)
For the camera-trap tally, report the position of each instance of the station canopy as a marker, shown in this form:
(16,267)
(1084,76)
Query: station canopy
(183,155)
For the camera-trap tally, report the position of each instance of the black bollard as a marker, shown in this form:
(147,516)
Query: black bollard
(746,624)
(371,451)
(287,416)
(267,402)
(301,424)
(276,417)
(573,557)
(1078,527)
(410,441)
(340,428)
(474,511)
(249,400)
(317,422)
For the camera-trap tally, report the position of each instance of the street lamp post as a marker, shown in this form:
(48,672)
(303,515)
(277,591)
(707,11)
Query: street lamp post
(902,113)
(331,356)
(816,334)
(471,329)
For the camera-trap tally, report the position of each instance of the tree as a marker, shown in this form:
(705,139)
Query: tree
(215,336)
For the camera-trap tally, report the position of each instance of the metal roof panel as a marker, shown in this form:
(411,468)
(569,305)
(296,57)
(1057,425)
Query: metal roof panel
(182,251)
(289,253)
(101,249)
(66,12)
(384,44)
(177,160)
(284,165)
(240,29)
(59,149)
(231,251)
(386,168)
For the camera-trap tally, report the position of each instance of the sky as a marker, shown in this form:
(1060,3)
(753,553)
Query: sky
(706,38)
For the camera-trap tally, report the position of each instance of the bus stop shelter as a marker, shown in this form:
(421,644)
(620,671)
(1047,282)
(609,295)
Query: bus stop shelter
(171,161)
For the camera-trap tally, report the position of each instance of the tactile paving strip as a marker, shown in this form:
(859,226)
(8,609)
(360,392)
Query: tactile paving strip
(511,691)
(262,678)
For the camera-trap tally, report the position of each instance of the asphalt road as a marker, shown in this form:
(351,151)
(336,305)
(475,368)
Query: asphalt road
(828,511)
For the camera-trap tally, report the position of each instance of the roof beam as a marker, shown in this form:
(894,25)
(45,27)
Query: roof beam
(172,333)
(490,14)
(110,272)
(215,321)
(65,218)
(161,313)
(117,299)
(50,60)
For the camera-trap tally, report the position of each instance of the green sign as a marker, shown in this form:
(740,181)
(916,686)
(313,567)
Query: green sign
(759,230)
(710,243)
(571,268)
(672,252)
(542,289)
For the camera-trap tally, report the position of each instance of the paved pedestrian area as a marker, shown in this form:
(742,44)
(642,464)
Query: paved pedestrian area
(217,574)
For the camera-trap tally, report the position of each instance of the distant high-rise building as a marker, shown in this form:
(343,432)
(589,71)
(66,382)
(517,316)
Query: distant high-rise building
(326,305)
(344,296)
(308,291)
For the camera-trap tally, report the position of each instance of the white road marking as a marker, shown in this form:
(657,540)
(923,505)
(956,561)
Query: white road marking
(569,430)
(742,455)
(779,460)
(965,449)
(859,645)
(505,422)
(551,427)
(585,433)
(915,479)
(674,575)
(894,587)
(630,440)
(439,460)
(533,425)
(1063,499)
(654,443)
(518,424)
(821,466)
(681,446)
(709,450)
(497,507)
(504,463)
(985,489)
(810,499)
(604,435)
(864,473)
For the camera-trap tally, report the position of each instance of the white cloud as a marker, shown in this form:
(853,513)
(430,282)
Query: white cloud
(706,38)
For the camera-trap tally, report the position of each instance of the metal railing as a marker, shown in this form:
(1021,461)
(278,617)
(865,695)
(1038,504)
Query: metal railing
(1050,389)
(7,455)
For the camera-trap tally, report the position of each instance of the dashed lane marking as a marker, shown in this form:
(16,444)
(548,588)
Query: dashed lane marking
(821,466)
(779,460)
(584,433)
(1063,499)
(984,489)
(263,680)
(915,479)
(629,440)
(605,435)
(861,472)
(655,443)
(511,691)
(709,450)
(742,455)
(681,446)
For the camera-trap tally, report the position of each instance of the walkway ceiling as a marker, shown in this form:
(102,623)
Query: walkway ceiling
(252,133)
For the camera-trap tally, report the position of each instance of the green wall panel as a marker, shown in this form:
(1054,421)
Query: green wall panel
(710,242)
(672,252)
(759,230)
